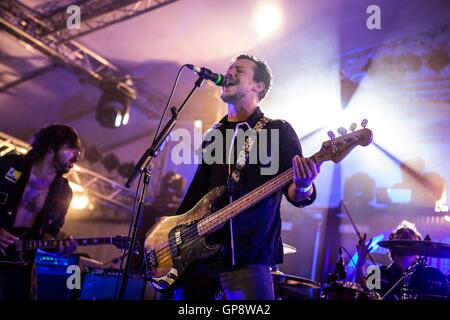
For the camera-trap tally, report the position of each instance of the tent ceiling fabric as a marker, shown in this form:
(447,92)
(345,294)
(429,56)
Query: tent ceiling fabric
(152,47)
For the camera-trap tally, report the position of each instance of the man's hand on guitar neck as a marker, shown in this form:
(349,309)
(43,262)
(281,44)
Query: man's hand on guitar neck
(67,246)
(305,171)
(6,239)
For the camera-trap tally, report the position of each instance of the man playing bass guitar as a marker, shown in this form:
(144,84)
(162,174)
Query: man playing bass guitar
(251,241)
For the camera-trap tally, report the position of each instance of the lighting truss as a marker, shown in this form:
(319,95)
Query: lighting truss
(98,14)
(28,26)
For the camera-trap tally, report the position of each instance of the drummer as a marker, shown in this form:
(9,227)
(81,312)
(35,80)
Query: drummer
(390,274)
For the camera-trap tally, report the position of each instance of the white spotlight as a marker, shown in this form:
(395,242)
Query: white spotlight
(267,19)
(79,202)
(118,120)
(126,118)
(198,124)
(76,187)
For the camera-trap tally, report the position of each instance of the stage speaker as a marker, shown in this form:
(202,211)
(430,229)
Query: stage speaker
(102,284)
(51,272)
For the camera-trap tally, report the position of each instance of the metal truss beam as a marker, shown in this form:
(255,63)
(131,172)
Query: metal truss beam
(98,14)
(41,31)
(22,23)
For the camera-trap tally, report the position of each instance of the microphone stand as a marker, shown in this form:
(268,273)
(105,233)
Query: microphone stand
(143,167)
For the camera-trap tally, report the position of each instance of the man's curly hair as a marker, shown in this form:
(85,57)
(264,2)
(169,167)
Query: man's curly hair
(52,138)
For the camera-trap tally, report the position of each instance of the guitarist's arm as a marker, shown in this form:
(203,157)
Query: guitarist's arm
(304,170)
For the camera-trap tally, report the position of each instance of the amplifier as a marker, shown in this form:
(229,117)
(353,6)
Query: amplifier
(103,284)
(51,271)
(96,283)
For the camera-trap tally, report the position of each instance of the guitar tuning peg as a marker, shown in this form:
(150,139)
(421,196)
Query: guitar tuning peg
(331,134)
(353,127)
(364,123)
(342,131)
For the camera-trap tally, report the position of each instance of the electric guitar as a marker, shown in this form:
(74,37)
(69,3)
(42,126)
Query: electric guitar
(177,241)
(17,252)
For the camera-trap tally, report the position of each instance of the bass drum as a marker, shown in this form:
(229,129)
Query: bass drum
(426,283)
(344,290)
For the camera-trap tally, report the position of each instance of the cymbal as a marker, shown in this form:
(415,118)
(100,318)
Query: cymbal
(288,249)
(293,281)
(415,247)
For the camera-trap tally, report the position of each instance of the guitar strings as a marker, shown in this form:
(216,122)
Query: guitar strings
(163,256)
(162,252)
(190,235)
(163,245)
(191,232)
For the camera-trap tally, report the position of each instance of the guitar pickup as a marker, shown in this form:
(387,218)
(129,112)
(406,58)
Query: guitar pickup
(178,240)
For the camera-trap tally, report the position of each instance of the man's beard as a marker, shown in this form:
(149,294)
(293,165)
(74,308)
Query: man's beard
(61,166)
(232,98)
(228,98)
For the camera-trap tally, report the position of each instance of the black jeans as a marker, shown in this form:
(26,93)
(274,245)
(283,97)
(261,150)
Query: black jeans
(248,282)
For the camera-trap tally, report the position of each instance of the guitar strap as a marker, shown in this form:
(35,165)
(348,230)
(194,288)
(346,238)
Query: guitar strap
(243,155)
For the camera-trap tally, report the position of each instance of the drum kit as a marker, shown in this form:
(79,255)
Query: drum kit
(418,282)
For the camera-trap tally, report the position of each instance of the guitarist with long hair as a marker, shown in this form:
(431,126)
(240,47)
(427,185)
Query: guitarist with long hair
(34,199)
(251,241)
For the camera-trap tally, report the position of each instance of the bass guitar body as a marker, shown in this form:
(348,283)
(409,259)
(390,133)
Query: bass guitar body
(176,242)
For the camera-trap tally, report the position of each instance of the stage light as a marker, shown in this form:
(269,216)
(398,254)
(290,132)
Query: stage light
(79,201)
(198,124)
(359,189)
(22,150)
(75,187)
(110,162)
(126,169)
(113,108)
(92,154)
(126,118)
(267,19)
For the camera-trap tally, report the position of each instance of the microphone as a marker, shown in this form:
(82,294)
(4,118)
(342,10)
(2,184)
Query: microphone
(340,266)
(217,78)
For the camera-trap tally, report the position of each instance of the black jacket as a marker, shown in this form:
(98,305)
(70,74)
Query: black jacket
(14,174)
(257,231)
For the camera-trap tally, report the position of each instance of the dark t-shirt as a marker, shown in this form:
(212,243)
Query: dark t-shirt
(257,231)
